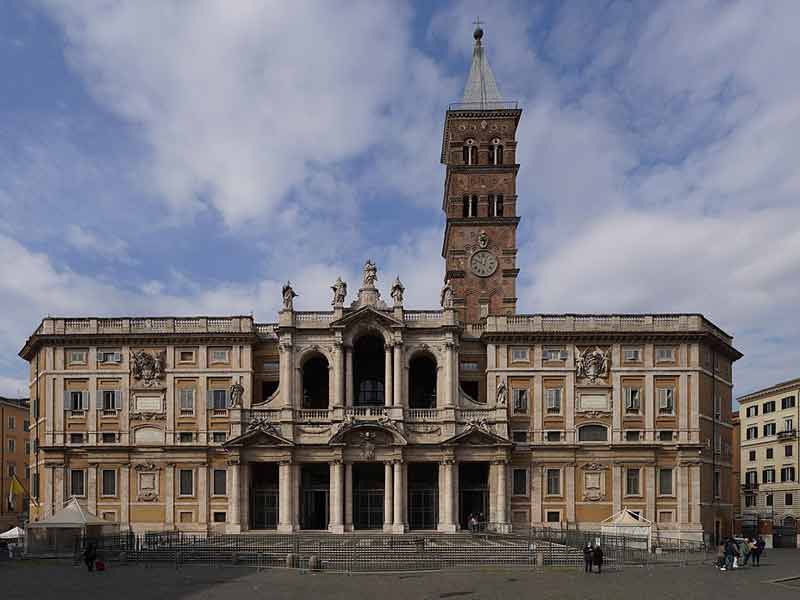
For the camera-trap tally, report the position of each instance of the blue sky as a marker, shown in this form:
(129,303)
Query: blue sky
(188,157)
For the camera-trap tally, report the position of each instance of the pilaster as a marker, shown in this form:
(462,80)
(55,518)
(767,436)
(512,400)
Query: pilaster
(124,497)
(397,511)
(397,395)
(336,524)
(388,371)
(388,496)
(169,496)
(234,488)
(650,408)
(285,489)
(569,473)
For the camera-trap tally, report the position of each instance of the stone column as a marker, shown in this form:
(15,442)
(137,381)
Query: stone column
(336,524)
(616,488)
(388,368)
(338,376)
(536,495)
(296,483)
(397,395)
(388,496)
(348,496)
(449,377)
(399,521)
(446,520)
(285,489)
(169,496)
(124,497)
(502,501)
(91,491)
(202,494)
(569,473)
(234,487)
(348,368)
(650,408)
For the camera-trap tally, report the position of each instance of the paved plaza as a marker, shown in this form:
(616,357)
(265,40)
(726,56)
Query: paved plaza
(44,580)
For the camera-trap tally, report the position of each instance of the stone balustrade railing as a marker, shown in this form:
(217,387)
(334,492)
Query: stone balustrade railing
(604,323)
(313,414)
(324,415)
(313,316)
(422,414)
(84,326)
(423,315)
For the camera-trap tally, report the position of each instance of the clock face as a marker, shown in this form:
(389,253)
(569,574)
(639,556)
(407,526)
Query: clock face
(483,263)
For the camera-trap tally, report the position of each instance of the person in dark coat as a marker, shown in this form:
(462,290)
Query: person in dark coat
(588,557)
(758,550)
(598,558)
(89,556)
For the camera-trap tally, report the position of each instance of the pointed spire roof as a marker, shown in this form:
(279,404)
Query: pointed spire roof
(481,88)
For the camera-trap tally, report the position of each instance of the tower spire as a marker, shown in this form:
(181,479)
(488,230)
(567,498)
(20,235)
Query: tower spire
(481,88)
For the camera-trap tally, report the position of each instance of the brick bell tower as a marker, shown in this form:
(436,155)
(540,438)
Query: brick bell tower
(480,198)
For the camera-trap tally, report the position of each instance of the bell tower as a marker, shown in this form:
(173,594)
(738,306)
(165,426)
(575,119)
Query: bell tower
(479,149)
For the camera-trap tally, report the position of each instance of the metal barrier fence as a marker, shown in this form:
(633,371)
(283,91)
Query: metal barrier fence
(379,552)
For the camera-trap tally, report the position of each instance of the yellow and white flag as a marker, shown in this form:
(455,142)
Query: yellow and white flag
(15,489)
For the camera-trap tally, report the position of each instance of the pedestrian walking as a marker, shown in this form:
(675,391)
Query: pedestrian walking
(89,556)
(745,549)
(598,558)
(759,550)
(588,558)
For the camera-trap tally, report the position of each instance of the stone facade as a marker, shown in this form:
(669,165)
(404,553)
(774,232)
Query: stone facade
(372,416)
(14,456)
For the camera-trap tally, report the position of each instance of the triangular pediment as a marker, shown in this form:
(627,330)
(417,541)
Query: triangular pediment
(367,313)
(259,436)
(477,436)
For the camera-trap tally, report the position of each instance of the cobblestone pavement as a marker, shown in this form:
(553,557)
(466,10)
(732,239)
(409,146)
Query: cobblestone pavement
(43,580)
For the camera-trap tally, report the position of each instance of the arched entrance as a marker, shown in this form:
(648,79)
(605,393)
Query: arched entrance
(369,371)
(422,382)
(315,382)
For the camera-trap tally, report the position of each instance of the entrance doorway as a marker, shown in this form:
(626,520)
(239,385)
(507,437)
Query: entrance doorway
(264,496)
(473,492)
(368,480)
(315,486)
(423,495)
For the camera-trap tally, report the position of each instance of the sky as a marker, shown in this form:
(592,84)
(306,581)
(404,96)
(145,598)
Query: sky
(184,158)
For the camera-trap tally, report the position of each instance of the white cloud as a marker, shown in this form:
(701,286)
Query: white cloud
(106,248)
(13,388)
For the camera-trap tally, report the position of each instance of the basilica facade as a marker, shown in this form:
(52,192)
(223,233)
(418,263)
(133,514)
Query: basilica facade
(370,416)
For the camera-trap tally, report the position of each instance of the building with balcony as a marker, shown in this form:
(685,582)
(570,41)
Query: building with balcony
(370,416)
(769,458)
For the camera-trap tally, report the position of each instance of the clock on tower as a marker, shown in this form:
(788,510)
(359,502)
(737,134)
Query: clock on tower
(479,149)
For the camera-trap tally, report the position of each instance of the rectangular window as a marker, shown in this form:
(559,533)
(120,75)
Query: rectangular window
(666,435)
(520,400)
(185,516)
(109,482)
(186,356)
(220,482)
(186,401)
(788,425)
(553,482)
(554,354)
(110,400)
(752,455)
(271,366)
(666,401)
(768,499)
(788,500)
(769,407)
(186,479)
(218,355)
(27,447)
(553,436)
(519,355)
(186,437)
(75,438)
(219,399)
(787,474)
(12,445)
(718,407)
(770,429)
(12,423)
(106,356)
(787,402)
(751,478)
(665,354)
(77,482)
(553,516)
(219,516)
(520,482)
(665,482)
(519,437)
(552,398)
(717,484)
(752,411)
(218,437)
(109,437)
(632,436)
(632,482)
(768,476)
(749,500)
(665,516)
(633,400)
(76,357)
(26,425)
(770,453)
(788,450)
(632,354)
(469,366)
(35,485)
(752,433)
(76,401)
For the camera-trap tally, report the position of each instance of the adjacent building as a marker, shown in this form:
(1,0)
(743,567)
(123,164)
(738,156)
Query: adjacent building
(370,416)
(14,456)
(770,459)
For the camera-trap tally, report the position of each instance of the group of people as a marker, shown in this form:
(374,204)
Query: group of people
(733,553)
(476,522)
(592,555)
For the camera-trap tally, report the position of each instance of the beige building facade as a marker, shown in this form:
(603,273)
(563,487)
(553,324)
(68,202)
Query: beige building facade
(370,416)
(769,456)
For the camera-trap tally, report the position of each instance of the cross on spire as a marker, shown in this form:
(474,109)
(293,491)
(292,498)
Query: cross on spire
(477,22)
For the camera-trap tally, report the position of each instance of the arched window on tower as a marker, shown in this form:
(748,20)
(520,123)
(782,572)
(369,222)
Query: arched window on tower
(473,207)
(497,152)
(465,206)
(470,152)
(496,202)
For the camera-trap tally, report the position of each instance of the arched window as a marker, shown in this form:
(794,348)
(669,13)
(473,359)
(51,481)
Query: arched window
(473,207)
(315,383)
(496,154)
(496,205)
(466,206)
(470,152)
(422,382)
(593,433)
(369,371)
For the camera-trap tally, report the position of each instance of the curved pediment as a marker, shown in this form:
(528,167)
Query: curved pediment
(374,432)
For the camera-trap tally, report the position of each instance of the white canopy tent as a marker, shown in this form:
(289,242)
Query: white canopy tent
(57,534)
(637,530)
(13,534)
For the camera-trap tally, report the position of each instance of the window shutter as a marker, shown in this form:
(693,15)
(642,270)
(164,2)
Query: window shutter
(228,398)
(101,357)
(563,355)
(209,399)
(117,399)
(67,405)
(100,395)
(117,357)
(85,400)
